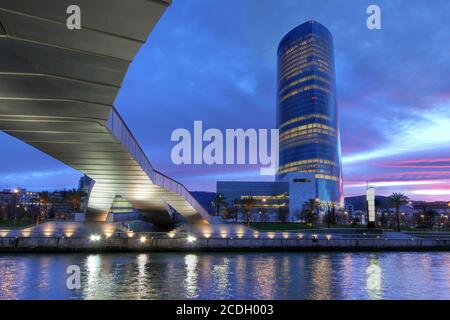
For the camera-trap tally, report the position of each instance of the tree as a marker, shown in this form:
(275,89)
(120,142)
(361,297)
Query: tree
(310,208)
(430,218)
(330,214)
(44,200)
(283,211)
(236,209)
(218,202)
(263,215)
(398,199)
(228,212)
(3,214)
(75,197)
(384,218)
(283,214)
(248,203)
(52,213)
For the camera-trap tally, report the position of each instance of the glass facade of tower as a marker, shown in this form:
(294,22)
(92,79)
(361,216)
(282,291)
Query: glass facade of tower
(307,114)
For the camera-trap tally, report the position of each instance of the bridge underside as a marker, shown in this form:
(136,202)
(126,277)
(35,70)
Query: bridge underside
(58,87)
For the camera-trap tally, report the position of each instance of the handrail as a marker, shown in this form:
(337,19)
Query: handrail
(187,195)
(117,126)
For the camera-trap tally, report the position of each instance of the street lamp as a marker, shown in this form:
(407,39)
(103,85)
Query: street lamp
(191,239)
(95,237)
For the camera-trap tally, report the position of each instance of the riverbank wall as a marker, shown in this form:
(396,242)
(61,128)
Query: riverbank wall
(142,244)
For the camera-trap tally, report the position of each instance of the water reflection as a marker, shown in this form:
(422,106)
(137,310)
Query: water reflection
(142,281)
(321,278)
(265,274)
(92,265)
(190,283)
(229,276)
(221,275)
(373,272)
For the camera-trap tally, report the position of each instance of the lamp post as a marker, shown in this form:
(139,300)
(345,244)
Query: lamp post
(16,203)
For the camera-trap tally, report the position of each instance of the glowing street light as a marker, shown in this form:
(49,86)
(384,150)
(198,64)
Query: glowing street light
(95,237)
(191,239)
(143,239)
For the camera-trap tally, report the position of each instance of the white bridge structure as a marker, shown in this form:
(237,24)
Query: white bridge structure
(57,91)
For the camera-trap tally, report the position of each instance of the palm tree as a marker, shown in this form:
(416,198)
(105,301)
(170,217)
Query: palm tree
(248,203)
(310,208)
(44,200)
(398,199)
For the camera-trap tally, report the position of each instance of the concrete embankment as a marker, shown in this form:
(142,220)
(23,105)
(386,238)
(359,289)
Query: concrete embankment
(62,244)
(99,237)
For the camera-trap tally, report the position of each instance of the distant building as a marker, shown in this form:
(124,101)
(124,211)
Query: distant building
(269,198)
(349,209)
(60,205)
(8,201)
(28,199)
(85,186)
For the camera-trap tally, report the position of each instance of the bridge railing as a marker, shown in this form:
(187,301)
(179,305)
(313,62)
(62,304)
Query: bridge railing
(123,134)
(176,187)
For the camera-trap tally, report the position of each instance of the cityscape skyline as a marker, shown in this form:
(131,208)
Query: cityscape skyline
(403,147)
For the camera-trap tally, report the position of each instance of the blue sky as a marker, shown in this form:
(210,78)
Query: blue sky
(215,61)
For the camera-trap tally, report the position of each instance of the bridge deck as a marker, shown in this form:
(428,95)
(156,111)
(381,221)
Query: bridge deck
(58,87)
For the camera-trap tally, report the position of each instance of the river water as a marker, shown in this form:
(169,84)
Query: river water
(407,275)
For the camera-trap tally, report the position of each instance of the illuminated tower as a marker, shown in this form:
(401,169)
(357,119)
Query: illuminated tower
(307,115)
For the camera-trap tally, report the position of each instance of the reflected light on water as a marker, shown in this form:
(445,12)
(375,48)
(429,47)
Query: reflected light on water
(142,260)
(374,283)
(221,273)
(11,280)
(265,272)
(191,280)
(244,276)
(92,265)
(142,281)
(347,273)
(321,278)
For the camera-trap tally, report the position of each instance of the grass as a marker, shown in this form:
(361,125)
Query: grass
(272,226)
(411,229)
(276,226)
(15,224)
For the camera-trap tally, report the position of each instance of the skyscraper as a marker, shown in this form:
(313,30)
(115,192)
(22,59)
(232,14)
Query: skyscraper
(307,115)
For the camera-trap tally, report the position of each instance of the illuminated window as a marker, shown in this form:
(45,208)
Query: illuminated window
(306,117)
